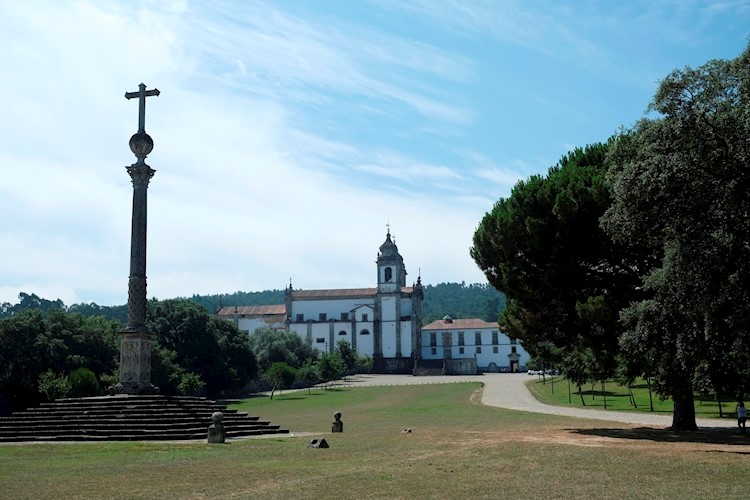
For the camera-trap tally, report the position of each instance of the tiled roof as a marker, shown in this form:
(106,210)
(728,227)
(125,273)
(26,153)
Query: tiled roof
(341,293)
(252,310)
(459,324)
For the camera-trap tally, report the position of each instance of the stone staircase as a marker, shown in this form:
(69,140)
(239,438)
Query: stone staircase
(128,418)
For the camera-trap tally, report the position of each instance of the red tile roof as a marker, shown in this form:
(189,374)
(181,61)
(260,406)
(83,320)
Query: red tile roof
(252,310)
(460,324)
(341,293)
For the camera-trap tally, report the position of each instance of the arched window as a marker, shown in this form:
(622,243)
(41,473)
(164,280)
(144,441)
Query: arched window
(388,274)
(364,332)
(342,332)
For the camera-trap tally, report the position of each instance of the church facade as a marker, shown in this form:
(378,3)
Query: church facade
(383,322)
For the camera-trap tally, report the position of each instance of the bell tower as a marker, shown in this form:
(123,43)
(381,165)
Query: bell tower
(391,269)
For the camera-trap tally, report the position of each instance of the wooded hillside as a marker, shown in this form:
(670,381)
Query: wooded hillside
(458,300)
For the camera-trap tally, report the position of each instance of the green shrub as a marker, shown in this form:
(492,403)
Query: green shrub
(191,384)
(281,375)
(52,386)
(83,383)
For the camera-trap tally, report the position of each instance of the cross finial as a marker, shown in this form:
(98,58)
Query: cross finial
(388,227)
(141,95)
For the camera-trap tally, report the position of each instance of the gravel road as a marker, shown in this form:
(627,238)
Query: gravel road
(508,390)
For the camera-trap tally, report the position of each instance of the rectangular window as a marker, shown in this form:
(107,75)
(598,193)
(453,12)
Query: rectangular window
(433,351)
(344,316)
(300,318)
(479,350)
(364,317)
(322,317)
(460,350)
(433,339)
(494,338)
(513,350)
(512,341)
(460,338)
(494,350)
(477,338)
(320,340)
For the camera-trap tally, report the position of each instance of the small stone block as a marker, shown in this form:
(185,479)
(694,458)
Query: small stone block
(318,443)
(406,431)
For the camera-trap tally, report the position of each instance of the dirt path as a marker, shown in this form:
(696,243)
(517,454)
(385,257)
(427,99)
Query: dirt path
(508,390)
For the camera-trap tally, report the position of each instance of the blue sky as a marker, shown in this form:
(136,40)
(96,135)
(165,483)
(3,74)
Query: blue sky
(289,133)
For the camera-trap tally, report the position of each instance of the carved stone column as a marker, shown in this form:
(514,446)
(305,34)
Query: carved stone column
(135,340)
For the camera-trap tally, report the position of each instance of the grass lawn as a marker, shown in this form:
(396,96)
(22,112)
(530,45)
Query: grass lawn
(458,448)
(556,391)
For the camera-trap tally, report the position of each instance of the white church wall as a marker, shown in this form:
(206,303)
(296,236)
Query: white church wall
(365,340)
(388,336)
(388,309)
(406,339)
(487,355)
(406,310)
(332,308)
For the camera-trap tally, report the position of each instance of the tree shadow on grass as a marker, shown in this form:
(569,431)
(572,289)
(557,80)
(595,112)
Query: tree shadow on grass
(708,435)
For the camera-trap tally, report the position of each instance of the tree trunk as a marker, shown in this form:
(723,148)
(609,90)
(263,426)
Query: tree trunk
(650,397)
(604,395)
(580,394)
(683,416)
(718,400)
(272,391)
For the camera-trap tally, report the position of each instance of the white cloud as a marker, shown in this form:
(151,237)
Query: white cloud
(286,136)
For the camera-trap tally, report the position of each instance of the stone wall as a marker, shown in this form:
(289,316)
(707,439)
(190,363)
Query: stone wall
(393,365)
(461,366)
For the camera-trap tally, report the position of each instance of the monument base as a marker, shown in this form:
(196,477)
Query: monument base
(121,388)
(135,363)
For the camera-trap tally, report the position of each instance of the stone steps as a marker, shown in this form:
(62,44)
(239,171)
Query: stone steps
(128,418)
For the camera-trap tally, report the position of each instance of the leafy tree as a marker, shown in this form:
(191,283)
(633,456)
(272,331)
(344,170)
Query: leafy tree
(681,184)
(212,303)
(270,346)
(23,357)
(578,366)
(83,383)
(190,341)
(191,384)
(53,386)
(307,375)
(565,279)
(30,302)
(347,354)
(331,366)
(460,300)
(281,375)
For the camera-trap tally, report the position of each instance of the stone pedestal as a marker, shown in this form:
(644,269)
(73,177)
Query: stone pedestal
(338,425)
(135,363)
(216,433)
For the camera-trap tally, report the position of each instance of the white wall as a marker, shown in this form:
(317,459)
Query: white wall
(485,358)
(331,307)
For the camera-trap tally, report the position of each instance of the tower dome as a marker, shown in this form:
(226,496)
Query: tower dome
(391,269)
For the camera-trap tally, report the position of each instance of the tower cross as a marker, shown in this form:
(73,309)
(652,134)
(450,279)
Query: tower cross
(141,95)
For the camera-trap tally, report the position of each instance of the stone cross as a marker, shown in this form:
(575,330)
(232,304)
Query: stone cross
(141,95)
(135,340)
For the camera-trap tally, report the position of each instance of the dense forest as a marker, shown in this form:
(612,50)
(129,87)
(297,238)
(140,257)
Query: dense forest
(458,300)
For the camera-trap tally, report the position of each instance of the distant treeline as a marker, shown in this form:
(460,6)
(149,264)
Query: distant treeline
(457,300)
